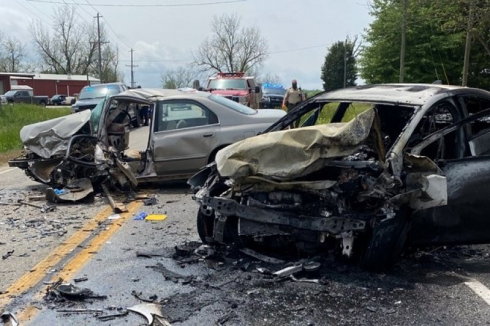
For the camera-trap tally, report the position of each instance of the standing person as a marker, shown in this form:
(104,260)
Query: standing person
(144,112)
(293,97)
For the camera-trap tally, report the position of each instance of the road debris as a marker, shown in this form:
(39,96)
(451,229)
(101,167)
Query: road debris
(150,311)
(261,257)
(8,254)
(9,319)
(172,276)
(81,279)
(156,217)
(285,272)
(60,290)
(124,313)
(114,217)
(150,201)
(141,216)
(81,311)
(117,207)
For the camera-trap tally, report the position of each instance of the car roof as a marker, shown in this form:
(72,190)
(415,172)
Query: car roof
(412,94)
(157,93)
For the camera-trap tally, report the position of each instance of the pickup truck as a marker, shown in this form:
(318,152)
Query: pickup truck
(21,96)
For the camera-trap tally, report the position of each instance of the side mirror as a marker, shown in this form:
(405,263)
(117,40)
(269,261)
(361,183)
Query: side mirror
(72,101)
(257,89)
(16,95)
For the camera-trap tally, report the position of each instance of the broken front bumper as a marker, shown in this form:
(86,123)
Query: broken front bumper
(332,225)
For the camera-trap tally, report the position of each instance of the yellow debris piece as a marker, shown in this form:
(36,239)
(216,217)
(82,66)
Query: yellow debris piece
(156,217)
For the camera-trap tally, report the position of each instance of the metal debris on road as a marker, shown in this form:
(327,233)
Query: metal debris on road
(124,313)
(151,312)
(150,201)
(81,311)
(81,279)
(70,291)
(117,207)
(285,272)
(114,217)
(261,257)
(9,319)
(8,254)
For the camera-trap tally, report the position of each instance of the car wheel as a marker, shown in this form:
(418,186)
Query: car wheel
(386,243)
(43,104)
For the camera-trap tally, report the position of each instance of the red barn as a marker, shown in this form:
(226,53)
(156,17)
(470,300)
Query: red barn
(46,84)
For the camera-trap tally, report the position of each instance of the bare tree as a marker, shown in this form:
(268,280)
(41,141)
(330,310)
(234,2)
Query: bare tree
(269,78)
(12,55)
(70,46)
(178,78)
(231,48)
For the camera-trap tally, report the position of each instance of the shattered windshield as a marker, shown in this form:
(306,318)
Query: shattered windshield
(95,116)
(228,84)
(99,91)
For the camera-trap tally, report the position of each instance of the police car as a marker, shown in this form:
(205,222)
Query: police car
(272,95)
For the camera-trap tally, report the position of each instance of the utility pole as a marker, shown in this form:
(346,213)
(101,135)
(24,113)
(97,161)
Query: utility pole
(132,66)
(467,49)
(345,63)
(99,43)
(404,41)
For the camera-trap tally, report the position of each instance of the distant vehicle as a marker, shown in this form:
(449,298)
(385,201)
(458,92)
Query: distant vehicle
(187,129)
(23,96)
(236,87)
(90,96)
(58,99)
(272,96)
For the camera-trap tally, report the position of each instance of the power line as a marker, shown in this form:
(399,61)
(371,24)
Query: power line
(300,49)
(149,5)
(108,25)
(274,52)
(31,11)
(42,12)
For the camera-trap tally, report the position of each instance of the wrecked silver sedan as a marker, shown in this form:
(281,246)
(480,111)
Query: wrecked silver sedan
(372,169)
(80,152)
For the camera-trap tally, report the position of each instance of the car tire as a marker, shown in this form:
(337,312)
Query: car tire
(386,243)
(43,104)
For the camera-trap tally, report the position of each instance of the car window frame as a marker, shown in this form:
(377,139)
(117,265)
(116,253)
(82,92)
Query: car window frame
(417,149)
(157,107)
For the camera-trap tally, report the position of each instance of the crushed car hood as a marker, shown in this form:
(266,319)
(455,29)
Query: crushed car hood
(51,137)
(290,154)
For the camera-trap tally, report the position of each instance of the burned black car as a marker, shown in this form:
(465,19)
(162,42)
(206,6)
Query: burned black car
(371,170)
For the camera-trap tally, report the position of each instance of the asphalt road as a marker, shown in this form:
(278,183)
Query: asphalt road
(132,261)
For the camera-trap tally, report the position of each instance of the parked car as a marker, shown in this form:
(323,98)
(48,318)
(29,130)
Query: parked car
(58,99)
(23,96)
(187,129)
(411,169)
(92,95)
(272,96)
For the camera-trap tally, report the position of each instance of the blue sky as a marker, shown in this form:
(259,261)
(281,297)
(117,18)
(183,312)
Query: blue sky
(298,32)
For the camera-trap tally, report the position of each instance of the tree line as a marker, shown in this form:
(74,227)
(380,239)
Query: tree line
(436,34)
(68,46)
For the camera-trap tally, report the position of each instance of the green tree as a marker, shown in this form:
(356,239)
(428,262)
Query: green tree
(333,67)
(432,52)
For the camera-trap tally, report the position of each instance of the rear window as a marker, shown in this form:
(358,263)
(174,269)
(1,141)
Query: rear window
(99,91)
(228,84)
(235,106)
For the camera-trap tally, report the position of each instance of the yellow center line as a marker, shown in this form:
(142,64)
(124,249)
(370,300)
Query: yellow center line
(35,276)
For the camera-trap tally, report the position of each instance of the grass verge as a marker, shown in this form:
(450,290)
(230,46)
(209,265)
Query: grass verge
(14,117)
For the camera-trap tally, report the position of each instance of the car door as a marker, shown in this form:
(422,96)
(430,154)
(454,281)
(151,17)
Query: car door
(466,217)
(22,97)
(184,134)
